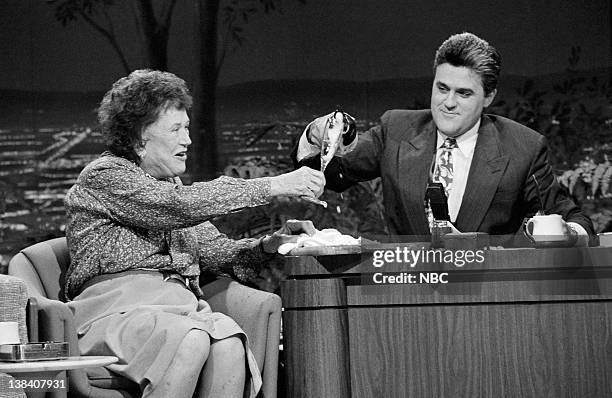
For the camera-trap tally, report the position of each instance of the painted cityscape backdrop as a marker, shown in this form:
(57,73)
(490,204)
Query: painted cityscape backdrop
(295,65)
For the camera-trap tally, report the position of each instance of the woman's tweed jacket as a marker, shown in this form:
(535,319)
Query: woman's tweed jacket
(120,218)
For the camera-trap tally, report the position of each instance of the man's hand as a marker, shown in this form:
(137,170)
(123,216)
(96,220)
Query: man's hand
(289,233)
(315,131)
(576,234)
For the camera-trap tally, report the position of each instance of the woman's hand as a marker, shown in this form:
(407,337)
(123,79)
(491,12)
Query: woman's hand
(289,233)
(301,182)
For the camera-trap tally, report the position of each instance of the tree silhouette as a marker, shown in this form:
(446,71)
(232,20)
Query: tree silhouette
(221,27)
(153,25)
(216,43)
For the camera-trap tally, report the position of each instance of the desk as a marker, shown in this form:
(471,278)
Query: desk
(522,323)
(47,370)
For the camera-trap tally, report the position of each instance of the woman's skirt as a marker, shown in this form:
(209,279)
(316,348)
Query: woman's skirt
(141,319)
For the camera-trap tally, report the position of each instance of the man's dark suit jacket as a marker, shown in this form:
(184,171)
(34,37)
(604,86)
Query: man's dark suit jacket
(500,190)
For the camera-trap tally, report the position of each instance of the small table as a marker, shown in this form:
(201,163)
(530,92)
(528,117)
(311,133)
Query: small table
(49,369)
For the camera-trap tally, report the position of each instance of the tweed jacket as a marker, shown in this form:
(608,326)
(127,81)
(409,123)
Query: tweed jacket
(120,218)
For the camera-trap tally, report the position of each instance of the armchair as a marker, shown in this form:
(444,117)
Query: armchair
(43,265)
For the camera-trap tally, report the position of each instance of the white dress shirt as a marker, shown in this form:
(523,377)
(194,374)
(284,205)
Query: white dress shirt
(462,159)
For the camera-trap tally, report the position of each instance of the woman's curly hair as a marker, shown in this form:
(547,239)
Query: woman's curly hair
(133,103)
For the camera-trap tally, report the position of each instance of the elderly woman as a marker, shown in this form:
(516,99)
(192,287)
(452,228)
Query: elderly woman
(138,240)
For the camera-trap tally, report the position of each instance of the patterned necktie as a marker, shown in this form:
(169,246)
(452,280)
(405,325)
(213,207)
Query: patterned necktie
(443,172)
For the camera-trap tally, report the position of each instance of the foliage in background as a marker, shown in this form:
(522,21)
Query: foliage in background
(576,116)
(153,26)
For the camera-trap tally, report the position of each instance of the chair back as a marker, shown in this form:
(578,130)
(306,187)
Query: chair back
(43,266)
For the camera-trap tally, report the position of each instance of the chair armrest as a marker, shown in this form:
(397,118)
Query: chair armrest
(56,323)
(259,314)
(242,303)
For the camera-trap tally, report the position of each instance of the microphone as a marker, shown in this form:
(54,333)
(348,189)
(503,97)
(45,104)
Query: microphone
(436,196)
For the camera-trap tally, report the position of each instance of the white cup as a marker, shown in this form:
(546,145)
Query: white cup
(546,228)
(9,333)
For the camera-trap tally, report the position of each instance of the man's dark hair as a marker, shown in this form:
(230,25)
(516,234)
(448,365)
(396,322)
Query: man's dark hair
(469,50)
(133,103)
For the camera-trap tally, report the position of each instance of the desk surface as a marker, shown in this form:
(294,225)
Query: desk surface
(57,364)
(355,262)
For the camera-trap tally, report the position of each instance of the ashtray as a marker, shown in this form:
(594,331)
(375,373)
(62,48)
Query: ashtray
(38,351)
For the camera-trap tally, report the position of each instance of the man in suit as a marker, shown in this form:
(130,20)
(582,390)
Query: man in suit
(494,171)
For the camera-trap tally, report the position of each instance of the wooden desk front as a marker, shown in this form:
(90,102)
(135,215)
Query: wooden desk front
(523,323)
